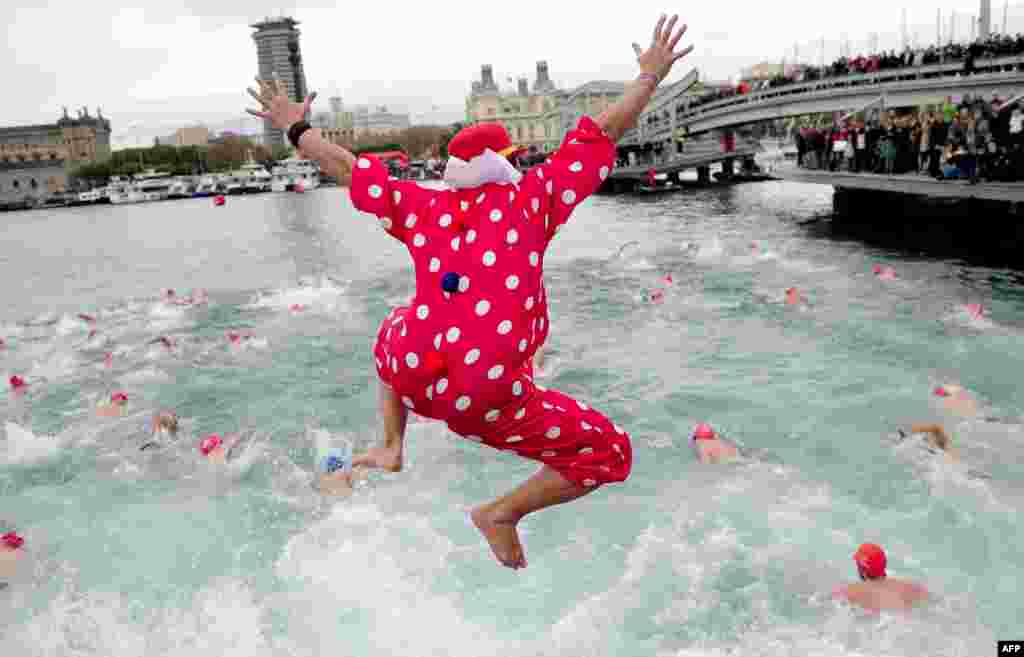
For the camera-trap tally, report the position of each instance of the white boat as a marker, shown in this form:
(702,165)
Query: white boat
(289,173)
(207,186)
(250,178)
(88,198)
(120,190)
(181,188)
(152,185)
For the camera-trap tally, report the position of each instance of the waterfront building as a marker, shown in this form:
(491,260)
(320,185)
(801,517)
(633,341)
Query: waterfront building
(278,52)
(372,121)
(36,160)
(537,118)
(191,136)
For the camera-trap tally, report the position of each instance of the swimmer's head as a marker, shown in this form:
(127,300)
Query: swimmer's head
(86,318)
(210,443)
(877,269)
(703,431)
(12,540)
(166,421)
(941,391)
(17,382)
(333,463)
(975,310)
(297,307)
(119,398)
(870,560)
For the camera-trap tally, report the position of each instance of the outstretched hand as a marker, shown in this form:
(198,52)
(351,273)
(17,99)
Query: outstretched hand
(380,457)
(273,99)
(661,56)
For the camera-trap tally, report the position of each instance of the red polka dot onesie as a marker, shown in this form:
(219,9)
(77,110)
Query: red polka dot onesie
(463,356)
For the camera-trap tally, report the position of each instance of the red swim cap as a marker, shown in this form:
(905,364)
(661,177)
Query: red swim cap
(12,540)
(17,382)
(940,391)
(234,336)
(704,431)
(668,279)
(877,269)
(871,560)
(209,444)
(119,397)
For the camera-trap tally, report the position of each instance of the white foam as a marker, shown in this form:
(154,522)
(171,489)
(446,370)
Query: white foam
(24,447)
(324,295)
(223,619)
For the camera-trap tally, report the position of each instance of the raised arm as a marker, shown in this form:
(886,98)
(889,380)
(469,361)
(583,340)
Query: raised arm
(333,159)
(655,64)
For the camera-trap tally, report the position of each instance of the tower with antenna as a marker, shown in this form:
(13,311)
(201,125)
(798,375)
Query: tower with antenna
(278,53)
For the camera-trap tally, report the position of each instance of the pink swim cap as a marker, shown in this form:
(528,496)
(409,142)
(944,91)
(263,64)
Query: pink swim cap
(668,279)
(12,540)
(86,318)
(119,398)
(877,269)
(703,431)
(17,382)
(975,309)
(234,336)
(297,307)
(210,443)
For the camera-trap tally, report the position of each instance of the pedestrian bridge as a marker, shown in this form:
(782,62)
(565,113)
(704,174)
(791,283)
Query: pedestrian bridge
(905,87)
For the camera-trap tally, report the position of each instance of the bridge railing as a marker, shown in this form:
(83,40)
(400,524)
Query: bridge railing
(718,107)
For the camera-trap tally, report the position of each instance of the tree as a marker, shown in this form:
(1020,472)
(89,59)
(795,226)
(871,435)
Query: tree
(447,137)
(281,152)
(233,151)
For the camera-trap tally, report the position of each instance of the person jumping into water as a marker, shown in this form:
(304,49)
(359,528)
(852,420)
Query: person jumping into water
(876,592)
(460,352)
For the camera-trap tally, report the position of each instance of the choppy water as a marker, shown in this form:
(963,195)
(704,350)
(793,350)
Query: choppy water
(142,554)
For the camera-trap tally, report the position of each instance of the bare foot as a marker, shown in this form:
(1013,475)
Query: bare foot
(502,536)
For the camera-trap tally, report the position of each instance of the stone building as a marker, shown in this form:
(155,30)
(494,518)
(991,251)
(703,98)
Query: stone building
(36,160)
(277,52)
(191,136)
(539,117)
(368,121)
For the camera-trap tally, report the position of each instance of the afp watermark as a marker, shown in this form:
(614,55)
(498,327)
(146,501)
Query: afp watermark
(1015,648)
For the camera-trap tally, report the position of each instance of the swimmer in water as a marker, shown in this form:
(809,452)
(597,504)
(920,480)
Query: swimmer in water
(18,384)
(219,450)
(794,298)
(877,592)
(461,352)
(936,439)
(956,400)
(163,428)
(884,273)
(710,448)
(115,407)
(11,553)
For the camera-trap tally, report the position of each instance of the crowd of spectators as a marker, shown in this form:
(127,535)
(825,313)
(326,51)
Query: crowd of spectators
(973,139)
(996,45)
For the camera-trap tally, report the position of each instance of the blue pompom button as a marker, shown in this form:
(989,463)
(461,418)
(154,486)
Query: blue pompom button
(450,282)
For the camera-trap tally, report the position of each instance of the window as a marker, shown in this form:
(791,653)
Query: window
(490,111)
(17,184)
(53,156)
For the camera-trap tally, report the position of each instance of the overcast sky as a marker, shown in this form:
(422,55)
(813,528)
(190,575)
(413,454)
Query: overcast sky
(179,62)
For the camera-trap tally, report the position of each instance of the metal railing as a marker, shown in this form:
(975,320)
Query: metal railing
(879,78)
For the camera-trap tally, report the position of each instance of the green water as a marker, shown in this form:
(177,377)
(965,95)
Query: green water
(158,554)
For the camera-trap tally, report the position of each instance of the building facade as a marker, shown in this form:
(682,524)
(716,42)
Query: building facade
(278,53)
(191,136)
(36,160)
(372,121)
(537,118)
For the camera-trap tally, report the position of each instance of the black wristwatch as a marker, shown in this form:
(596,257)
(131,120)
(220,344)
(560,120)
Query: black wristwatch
(296,130)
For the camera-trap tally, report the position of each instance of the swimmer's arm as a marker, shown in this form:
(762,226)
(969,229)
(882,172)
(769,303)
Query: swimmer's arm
(336,161)
(656,60)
